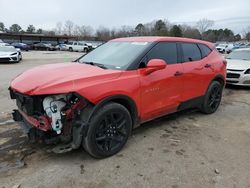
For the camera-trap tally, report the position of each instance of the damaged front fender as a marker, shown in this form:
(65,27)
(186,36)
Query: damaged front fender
(56,118)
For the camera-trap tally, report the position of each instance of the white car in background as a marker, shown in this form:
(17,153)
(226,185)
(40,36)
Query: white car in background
(10,54)
(96,44)
(4,44)
(225,48)
(61,47)
(77,46)
(238,67)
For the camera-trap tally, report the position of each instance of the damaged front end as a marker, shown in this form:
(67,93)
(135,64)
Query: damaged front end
(53,119)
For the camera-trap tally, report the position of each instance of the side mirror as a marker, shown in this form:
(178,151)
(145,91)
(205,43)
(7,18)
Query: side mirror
(154,65)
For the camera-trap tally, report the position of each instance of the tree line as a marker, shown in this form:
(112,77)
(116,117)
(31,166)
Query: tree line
(201,30)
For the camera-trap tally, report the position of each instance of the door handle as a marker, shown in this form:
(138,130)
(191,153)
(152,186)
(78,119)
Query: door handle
(208,66)
(178,73)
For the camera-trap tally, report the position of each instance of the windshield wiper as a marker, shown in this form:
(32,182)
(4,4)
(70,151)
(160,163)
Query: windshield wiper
(96,64)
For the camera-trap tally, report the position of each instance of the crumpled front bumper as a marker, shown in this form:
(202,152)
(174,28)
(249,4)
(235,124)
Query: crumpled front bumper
(18,118)
(42,123)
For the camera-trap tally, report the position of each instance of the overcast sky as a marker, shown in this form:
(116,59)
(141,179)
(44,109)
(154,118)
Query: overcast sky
(234,14)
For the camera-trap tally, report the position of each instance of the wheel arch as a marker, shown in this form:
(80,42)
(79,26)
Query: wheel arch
(220,79)
(124,100)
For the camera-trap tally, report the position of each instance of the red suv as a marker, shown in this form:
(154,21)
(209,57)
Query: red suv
(96,101)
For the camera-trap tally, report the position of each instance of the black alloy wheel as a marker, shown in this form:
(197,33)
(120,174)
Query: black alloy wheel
(215,97)
(109,130)
(212,98)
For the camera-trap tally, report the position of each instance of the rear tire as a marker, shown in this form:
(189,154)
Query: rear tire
(212,98)
(71,49)
(108,131)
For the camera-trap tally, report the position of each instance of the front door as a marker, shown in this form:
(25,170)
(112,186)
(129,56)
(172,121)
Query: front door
(161,91)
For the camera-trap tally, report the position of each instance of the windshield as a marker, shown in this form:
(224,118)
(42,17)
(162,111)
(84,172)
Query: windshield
(240,55)
(115,55)
(7,49)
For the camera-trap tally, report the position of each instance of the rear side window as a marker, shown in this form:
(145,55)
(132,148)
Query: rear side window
(191,52)
(164,50)
(205,51)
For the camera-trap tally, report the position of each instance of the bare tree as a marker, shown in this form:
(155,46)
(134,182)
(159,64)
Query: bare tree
(58,29)
(103,33)
(68,27)
(190,32)
(246,33)
(125,31)
(149,28)
(75,30)
(204,24)
(83,31)
(86,31)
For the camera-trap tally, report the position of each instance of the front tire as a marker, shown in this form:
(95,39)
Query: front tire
(108,131)
(212,98)
(85,50)
(20,57)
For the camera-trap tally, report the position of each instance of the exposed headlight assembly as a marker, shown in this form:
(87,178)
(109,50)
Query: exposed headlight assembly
(56,106)
(53,105)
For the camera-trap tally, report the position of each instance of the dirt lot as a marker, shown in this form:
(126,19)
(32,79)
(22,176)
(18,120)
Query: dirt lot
(186,149)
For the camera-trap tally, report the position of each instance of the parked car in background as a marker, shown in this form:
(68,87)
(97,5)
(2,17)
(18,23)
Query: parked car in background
(225,48)
(61,47)
(248,45)
(96,44)
(10,54)
(21,46)
(4,44)
(76,46)
(238,67)
(96,101)
(229,48)
(44,46)
(221,47)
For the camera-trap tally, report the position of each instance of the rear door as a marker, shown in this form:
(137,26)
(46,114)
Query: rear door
(161,90)
(196,70)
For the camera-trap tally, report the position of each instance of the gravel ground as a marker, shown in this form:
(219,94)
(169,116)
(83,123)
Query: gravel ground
(186,149)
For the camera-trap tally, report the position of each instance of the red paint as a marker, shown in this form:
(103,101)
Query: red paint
(43,123)
(154,94)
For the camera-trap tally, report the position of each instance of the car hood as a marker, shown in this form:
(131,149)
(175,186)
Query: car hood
(4,54)
(238,64)
(60,78)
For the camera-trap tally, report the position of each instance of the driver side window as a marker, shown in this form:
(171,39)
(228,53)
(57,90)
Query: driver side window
(163,50)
